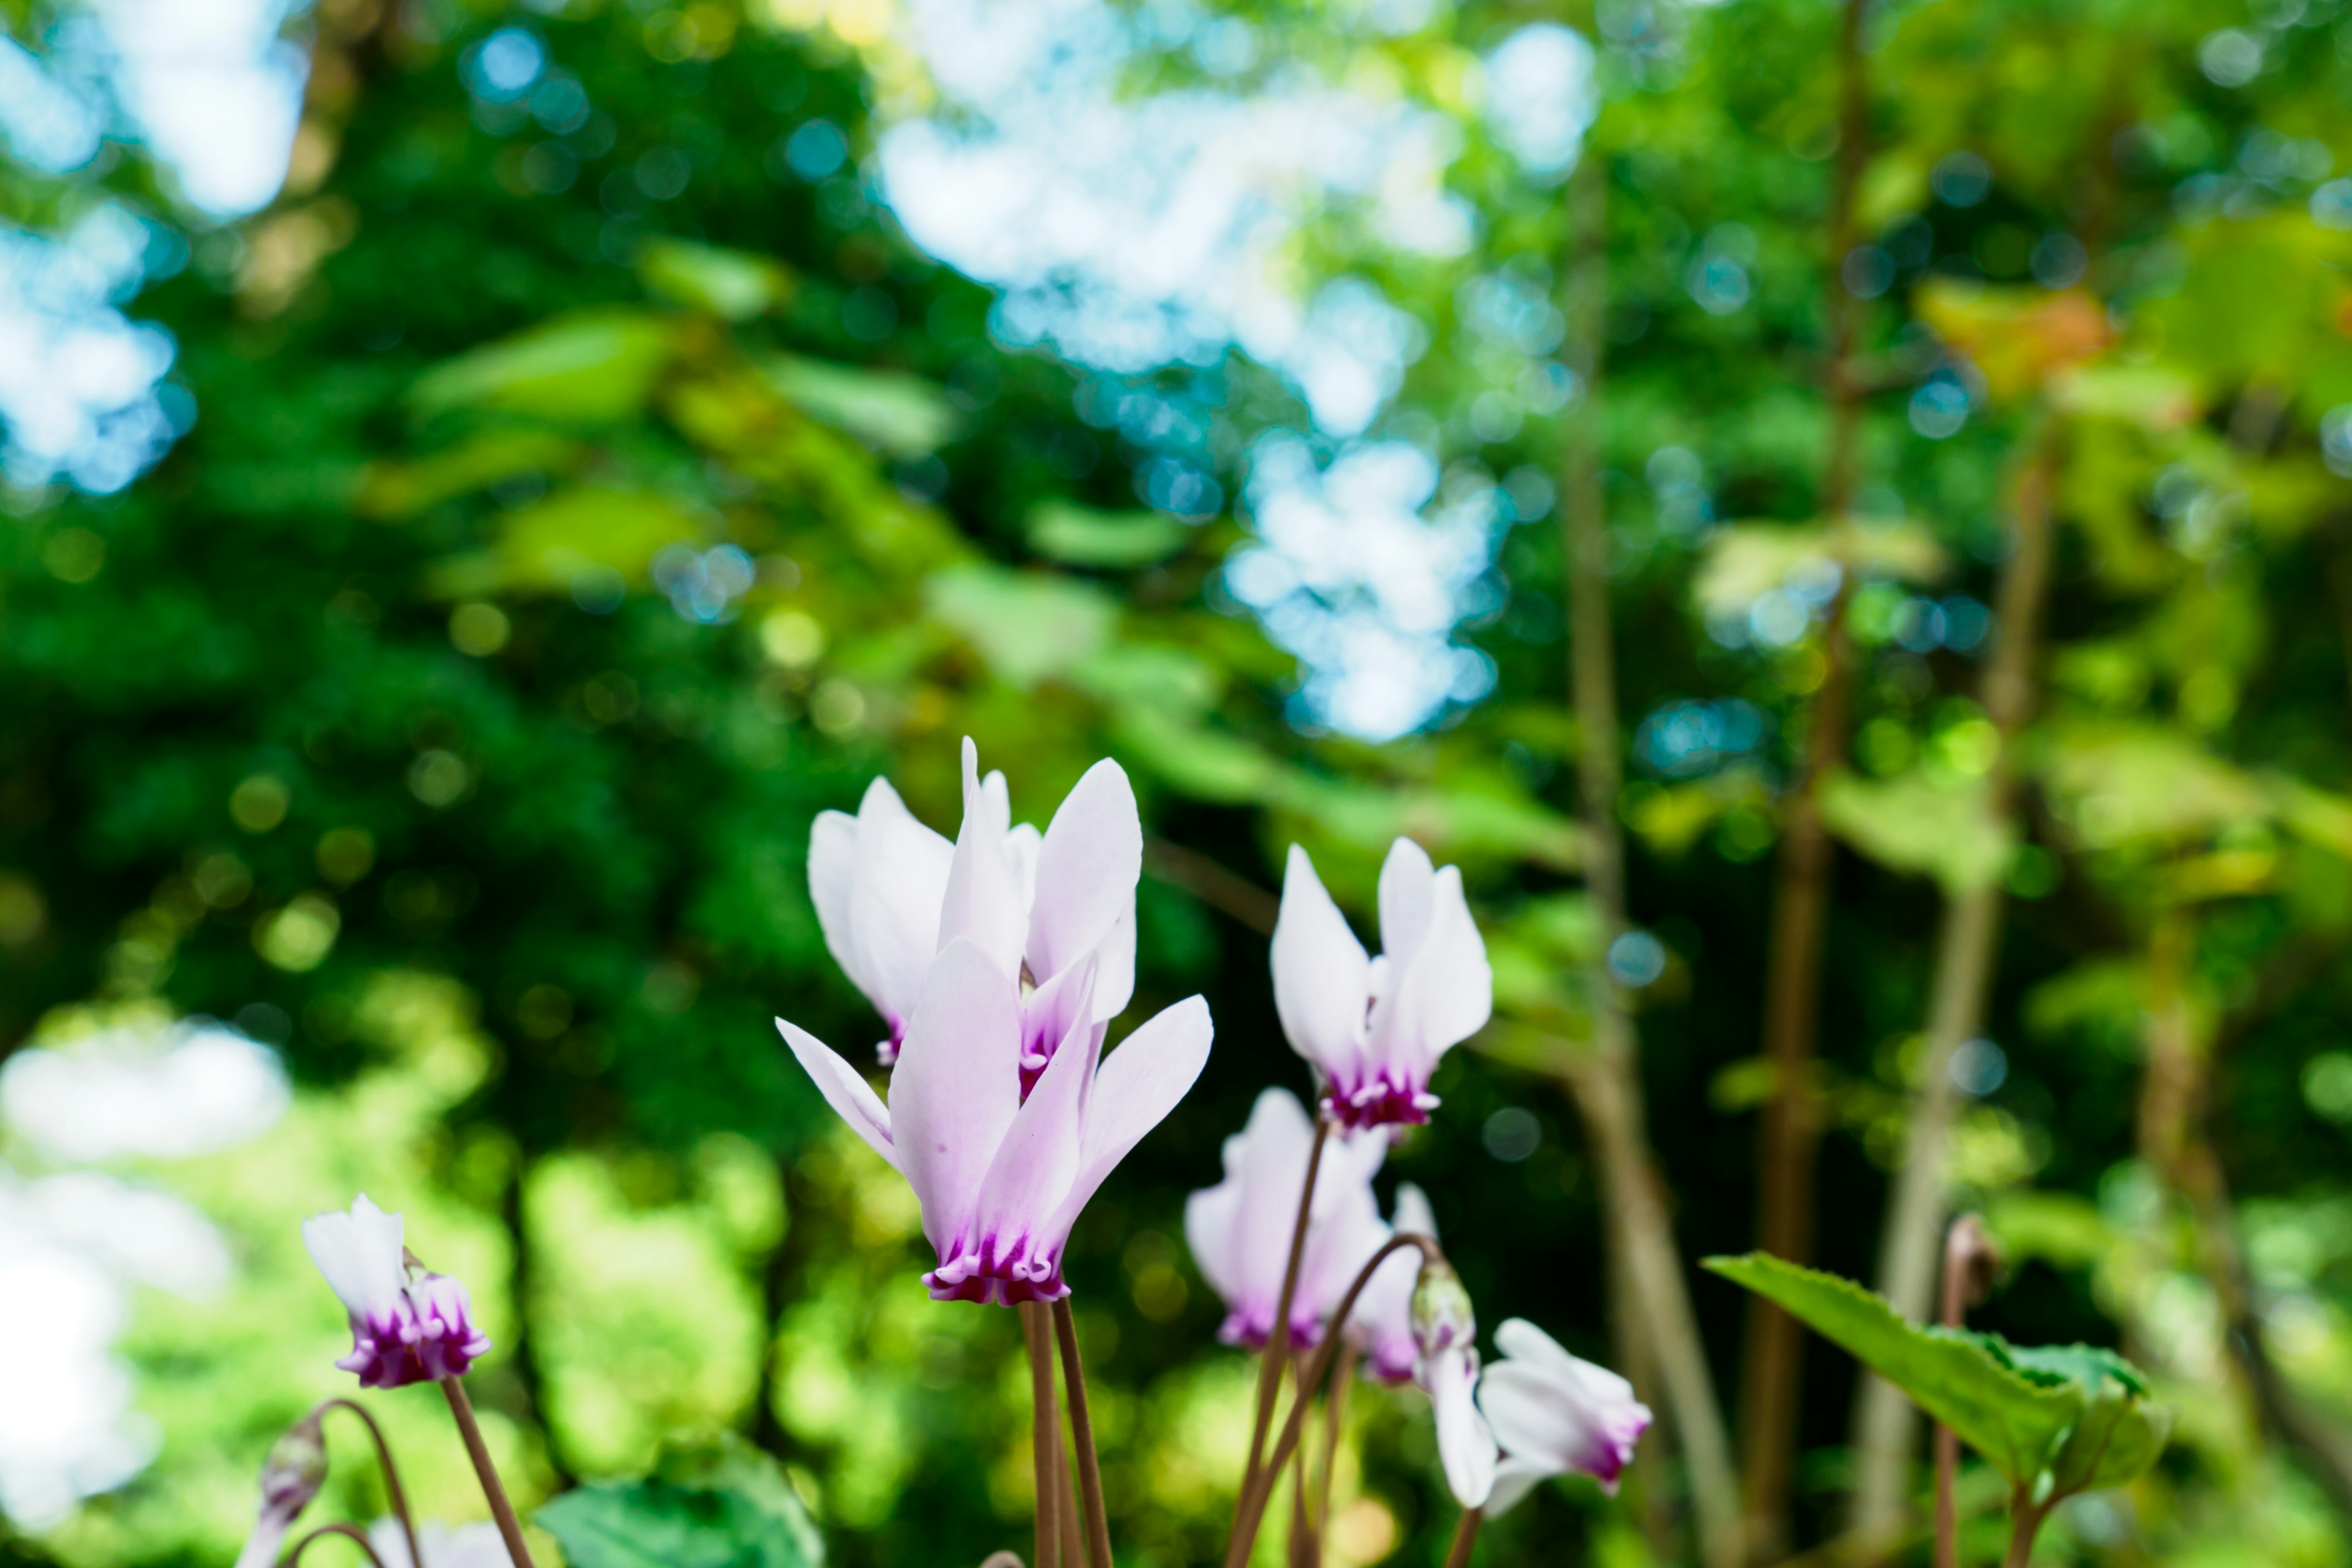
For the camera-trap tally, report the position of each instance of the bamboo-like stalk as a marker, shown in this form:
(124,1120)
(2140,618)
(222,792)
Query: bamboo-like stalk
(395,1494)
(1884,1421)
(1045,1429)
(509,1528)
(1789,1137)
(1277,1339)
(350,1533)
(1082,1434)
(1606,1085)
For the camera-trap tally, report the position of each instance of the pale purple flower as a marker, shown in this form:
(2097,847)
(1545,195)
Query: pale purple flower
(1382,1324)
(1375,1028)
(890,895)
(1001,1174)
(1465,1445)
(290,1477)
(474,1545)
(408,1325)
(1555,1414)
(878,880)
(1239,1230)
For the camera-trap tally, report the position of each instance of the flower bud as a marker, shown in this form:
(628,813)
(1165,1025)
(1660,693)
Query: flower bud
(296,1468)
(1442,1315)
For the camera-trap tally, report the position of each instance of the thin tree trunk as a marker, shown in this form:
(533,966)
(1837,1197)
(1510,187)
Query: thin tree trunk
(1885,1424)
(1788,1137)
(1660,1331)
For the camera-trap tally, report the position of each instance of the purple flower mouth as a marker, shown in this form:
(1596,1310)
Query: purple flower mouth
(1381,1102)
(426,1338)
(997,1278)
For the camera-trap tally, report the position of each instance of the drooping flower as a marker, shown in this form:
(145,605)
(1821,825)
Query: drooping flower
(891,894)
(408,1325)
(878,880)
(1382,1324)
(1375,1028)
(1465,1445)
(474,1545)
(1001,1174)
(1240,1229)
(1555,1414)
(290,1477)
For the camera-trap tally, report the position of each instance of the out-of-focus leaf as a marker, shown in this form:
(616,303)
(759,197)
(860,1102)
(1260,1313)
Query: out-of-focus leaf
(1026,625)
(903,415)
(590,368)
(1151,673)
(2016,1422)
(1748,560)
(735,284)
(403,490)
(2124,784)
(716,1509)
(1912,823)
(546,547)
(2019,338)
(1194,760)
(2062,1228)
(2152,396)
(1080,536)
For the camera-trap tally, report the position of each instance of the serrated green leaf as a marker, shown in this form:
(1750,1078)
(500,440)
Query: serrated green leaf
(2016,1423)
(720,1507)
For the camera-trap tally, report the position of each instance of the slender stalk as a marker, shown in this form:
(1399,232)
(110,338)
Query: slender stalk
(509,1528)
(1466,1535)
(1664,1330)
(1045,1428)
(2025,1519)
(350,1533)
(1302,1550)
(1334,1404)
(1082,1432)
(393,1493)
(1884,1420)
(1790,1136)
(1249,1508)
(1277,1339)
(1065,1507)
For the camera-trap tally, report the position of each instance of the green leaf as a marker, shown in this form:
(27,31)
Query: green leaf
(592,367)
(2016,1422)
(1911,823)
(1081,536)
(403,489)
(725,1507)
(1026,625)
(735,284)
(1747,559)
(902,415)
(546,546)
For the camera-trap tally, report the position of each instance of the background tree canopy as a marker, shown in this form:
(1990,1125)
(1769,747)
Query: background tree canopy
(438,592)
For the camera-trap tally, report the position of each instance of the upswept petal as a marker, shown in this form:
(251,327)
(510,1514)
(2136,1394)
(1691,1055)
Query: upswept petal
(833,880)
(1322,978)
(1266,1162)
(1038,1160)
(1413,1216)
(1087,866)
(901,884)
(1444,992)
(1345,1232)
(1514,1478)
(852,1098)
(1465,1445)
(1021,847)
(1133,1091)
(956,1087)
(1552,1409)
(361,1255)
(982,904)
(1115,987)
(1407,897)
(1212,1217)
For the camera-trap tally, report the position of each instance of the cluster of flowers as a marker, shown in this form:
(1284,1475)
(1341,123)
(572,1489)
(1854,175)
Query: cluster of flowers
(998,963)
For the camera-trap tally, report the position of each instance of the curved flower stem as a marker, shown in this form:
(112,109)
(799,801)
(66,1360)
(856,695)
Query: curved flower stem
(1466,1535)
(350,1533)
(509,1528)
(1302,1550)
(1082,1435)
(1335,1402)
(1045,1429)
(392,1491)
(1277,1339)
(1251,1506)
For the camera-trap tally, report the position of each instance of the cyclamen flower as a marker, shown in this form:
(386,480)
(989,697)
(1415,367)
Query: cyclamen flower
(408,1325)
(1465,1445)
(290,1478)
(474,1545)
(1382,1324)
(890,894)
(1375,1028)
(1001,1174)
(1555,1414)
(1239,1230)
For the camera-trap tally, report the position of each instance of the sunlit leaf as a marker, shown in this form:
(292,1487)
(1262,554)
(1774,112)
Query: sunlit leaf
(2019,338)
(403,490)
(547,546)
(1081,536)
(1746,561)
(1915,823)
(589,367)
(903,415)
(735,284)
(1026,625)
(713,1509)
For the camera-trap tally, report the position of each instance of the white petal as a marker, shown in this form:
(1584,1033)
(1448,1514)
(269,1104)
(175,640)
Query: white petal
(1465,1445)
(1413,1216)
(1445,993)
(1212,1216)
(1514,1478)
(361,1255)
(1087,865)
(1135,1088)
(1407,897)
(1322,978)
(956,1087)
(1038,1159)
(984,903)
(900,887)
(852,1098)
(1114,988)
(831,873)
